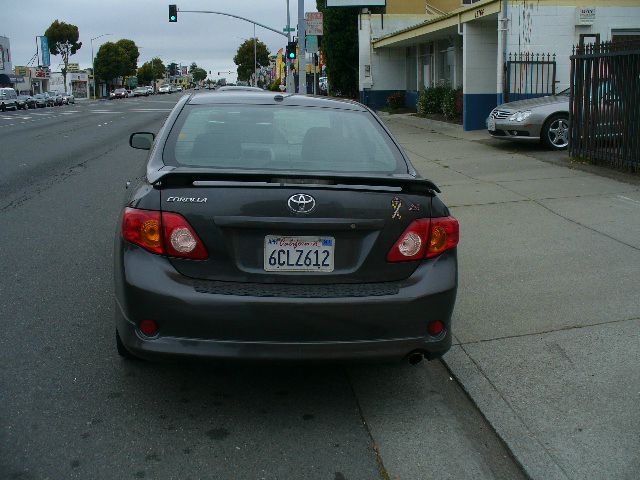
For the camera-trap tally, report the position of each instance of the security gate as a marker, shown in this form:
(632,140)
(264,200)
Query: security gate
(529,75)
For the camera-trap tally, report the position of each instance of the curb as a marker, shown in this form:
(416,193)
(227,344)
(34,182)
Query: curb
(526,449)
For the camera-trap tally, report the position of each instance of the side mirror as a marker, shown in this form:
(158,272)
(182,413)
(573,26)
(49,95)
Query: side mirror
(141,140)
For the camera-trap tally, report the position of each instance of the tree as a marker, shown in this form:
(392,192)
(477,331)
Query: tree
(151,70)
(340,47)
(63,41)
(145,73)
(130,55)
(244,58)
(198,74)
(109,62)
(173,69)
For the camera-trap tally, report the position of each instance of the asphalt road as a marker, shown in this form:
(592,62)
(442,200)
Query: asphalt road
(71,408)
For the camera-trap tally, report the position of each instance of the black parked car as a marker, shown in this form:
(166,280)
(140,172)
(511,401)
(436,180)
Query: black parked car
(25,102)
(279,227)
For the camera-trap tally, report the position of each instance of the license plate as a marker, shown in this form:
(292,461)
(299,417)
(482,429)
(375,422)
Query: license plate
(298,254)
(491,124)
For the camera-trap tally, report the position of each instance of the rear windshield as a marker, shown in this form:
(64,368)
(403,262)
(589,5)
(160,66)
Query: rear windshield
(256,137)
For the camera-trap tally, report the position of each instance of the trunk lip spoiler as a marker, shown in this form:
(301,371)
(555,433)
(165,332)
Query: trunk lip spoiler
(256,176)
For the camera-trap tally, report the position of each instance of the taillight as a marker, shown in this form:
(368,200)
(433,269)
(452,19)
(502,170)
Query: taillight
(425,238)
(180,239)
(164,233)
(143,228)
(412,243)
(444,235)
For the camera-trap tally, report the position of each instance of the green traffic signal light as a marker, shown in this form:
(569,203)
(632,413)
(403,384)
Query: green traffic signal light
(173,13)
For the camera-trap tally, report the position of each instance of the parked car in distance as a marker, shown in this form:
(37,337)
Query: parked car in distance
(8,97)
(543,119)
(25,102)
(179,88)
(164,89)
(68,98)
(57,98)
(43,100)
(150,90)
(173,88)
(141,92)
(120,93)
(271,227)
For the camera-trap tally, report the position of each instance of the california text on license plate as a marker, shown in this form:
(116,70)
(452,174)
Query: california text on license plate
(298,254)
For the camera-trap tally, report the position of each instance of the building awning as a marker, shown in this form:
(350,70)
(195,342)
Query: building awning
(427,30)
(4,79)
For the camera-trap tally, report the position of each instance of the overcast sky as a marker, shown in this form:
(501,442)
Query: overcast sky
(209,40)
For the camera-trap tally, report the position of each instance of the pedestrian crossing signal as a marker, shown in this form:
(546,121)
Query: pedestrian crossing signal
(173,13)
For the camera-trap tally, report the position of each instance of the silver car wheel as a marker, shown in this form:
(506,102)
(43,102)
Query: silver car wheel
(559,133)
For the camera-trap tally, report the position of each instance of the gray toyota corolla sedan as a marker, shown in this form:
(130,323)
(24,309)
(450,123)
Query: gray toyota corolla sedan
(282,227)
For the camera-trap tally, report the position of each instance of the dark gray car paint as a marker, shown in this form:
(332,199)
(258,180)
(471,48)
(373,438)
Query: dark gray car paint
(218,307)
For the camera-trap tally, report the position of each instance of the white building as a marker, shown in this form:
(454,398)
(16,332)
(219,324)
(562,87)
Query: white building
(465,43)
(77,83)
(6,69)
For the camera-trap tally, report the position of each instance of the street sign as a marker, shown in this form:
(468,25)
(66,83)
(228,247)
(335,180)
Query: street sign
(290,29)
(314,23)
(312,43)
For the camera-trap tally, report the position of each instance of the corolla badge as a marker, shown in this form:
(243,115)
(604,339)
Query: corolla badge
(301,203)
(187,199)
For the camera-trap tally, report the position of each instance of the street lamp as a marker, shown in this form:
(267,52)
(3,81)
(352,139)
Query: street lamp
(93,63)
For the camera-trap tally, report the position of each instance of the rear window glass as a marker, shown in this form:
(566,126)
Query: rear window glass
(257,137)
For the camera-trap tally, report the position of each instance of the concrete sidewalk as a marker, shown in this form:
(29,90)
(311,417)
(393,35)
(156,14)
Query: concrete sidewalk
(548,315)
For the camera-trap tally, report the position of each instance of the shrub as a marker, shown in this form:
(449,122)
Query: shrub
(275,85)
(451,105)
(431,99)
(396,100)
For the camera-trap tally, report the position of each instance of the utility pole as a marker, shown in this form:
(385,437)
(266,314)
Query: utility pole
(255,57)
(302,55)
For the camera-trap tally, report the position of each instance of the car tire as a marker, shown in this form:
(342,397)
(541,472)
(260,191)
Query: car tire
(3,108)
(555,132)
(122,350)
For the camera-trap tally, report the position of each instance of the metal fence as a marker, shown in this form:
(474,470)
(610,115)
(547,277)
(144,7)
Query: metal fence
(529,75)
(605,104)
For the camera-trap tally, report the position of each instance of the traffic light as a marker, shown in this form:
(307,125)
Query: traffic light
(173,13)
(291,50)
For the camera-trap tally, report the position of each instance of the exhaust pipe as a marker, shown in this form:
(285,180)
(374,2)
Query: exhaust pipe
(414,358)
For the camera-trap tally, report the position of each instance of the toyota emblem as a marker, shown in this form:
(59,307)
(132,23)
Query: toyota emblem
(301,203)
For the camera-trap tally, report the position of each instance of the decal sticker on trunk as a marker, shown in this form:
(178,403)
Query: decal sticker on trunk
(396,204)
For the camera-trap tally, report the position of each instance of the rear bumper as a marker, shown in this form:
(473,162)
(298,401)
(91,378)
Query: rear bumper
(230,326)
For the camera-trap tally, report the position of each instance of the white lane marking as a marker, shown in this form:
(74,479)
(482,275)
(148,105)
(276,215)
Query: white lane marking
(103,111)
(66,113)
(629,200)
(150,110)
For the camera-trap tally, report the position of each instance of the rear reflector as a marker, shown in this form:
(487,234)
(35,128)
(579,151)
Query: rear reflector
(435,328)
(164,233)
(425,238)
(148,327)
